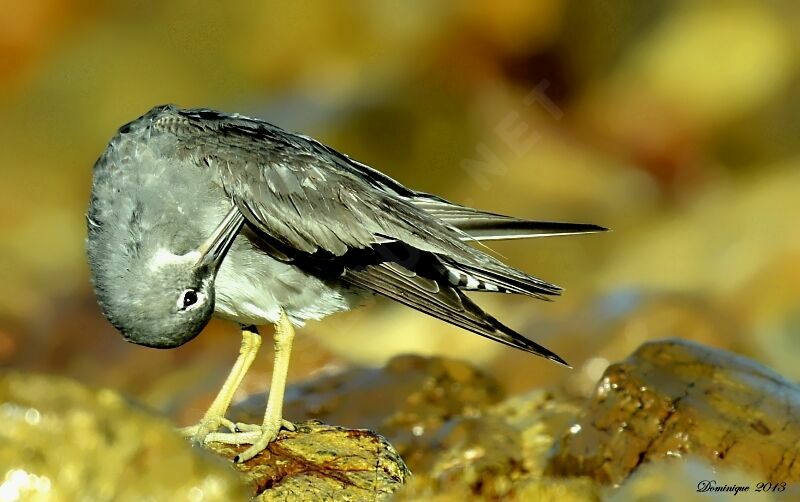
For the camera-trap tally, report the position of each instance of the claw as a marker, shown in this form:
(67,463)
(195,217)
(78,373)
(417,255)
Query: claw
(231,426)
(243,427)
(266,436)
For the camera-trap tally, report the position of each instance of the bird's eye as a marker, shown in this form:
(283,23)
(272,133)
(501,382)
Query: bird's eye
(188,299)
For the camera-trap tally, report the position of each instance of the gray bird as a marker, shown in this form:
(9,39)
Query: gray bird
(196,213)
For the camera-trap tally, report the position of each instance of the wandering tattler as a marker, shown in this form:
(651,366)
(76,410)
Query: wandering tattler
(196,213)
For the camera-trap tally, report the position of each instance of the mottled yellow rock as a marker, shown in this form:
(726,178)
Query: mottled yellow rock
(499,453)
(63,441)
(446,419)
(540,416)
(407,400)
(321,462)
(674,398)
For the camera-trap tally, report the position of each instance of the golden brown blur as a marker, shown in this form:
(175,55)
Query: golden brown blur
(675,124)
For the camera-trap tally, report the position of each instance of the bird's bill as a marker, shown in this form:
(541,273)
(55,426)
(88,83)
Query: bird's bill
(214,249)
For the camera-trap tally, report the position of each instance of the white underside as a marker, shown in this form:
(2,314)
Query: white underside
(263,286)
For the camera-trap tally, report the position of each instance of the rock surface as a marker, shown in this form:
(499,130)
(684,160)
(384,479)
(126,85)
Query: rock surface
(450,424)
(674,398)
(61,440)
(321,462)
(705,410)
(407,400)
(499,453)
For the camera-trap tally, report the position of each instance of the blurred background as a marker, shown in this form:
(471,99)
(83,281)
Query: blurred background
(676,124)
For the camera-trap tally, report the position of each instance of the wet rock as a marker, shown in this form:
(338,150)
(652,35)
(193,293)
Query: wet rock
(540,417)
(675,398)
(474,455)
(407,400)
(61,440)
(499,454)
(322,462)
(447,421)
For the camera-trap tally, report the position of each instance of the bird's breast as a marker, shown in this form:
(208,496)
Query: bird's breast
(252,287)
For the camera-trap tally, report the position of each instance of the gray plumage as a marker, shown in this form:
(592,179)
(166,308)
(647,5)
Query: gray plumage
(309,231)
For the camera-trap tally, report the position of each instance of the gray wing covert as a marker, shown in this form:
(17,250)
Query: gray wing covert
(304,197)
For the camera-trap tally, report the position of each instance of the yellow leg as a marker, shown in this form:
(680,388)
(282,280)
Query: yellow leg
(215,416)
(260,436)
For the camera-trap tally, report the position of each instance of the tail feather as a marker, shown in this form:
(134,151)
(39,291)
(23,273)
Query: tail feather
(502,228)
(485,226)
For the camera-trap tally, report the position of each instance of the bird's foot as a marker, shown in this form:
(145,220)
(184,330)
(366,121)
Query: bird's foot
(208,425)
(258,436)
(243,427)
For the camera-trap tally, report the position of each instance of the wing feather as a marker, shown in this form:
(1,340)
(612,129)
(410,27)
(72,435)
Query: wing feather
(446,303)
(304,198)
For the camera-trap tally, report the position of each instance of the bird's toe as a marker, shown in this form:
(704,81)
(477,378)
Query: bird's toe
(258,436)
(260,444)
(188,431)
(207,426)
(267,433)
(235,438)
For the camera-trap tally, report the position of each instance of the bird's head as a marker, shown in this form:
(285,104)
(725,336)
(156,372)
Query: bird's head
(169,304)
(167,298)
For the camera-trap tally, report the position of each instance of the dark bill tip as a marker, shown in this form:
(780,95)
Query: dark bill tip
(556,359)
(214,249)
